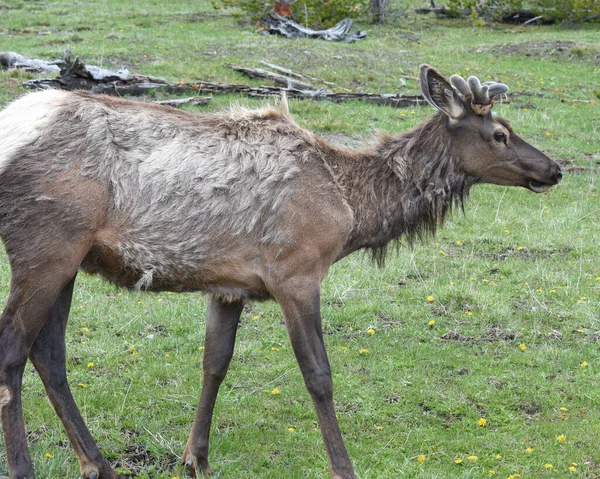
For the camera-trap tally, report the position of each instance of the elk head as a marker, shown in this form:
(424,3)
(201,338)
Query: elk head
(486,147)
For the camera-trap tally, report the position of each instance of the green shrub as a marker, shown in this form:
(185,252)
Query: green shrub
(490,10)
(567,10)
(550,10)
(310,13)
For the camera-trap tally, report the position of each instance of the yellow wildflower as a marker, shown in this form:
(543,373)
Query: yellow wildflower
(562,438)
(276,391)
(529,450)
(48,455)
(421,459)
(292,429)
(371,331)
(90,365)
(431,323)
(572,468)
(458,461)
(482,421)
(363,351)
(584,364)
(472,458)
(548,466)
(430,299)
(522,347)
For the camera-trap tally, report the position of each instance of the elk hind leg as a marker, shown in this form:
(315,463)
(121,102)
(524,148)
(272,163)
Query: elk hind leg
(222,321)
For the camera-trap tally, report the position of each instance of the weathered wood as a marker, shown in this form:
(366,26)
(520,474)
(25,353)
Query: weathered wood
(281,25)
(177,102)
(286,81)
(289,72)
(75,75)
(13,60)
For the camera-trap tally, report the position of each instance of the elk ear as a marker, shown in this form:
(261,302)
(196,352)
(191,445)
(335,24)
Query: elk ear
(440,94)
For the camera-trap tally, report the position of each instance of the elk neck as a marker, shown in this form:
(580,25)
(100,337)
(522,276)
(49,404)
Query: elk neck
(400,188)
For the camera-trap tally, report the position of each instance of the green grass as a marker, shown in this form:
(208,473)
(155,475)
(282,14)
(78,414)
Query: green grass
(517,269)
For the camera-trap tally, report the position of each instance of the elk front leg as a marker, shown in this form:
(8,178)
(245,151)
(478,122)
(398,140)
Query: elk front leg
(301,308)
(30,302)
(221,327)
(48,355)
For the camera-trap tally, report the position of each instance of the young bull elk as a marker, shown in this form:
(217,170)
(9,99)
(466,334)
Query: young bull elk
(244,205)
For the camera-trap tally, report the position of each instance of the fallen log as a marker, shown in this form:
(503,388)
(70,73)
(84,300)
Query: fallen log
(283,80)
(289,72)
(75,75)
(281,25)
(177,102)
(12,60)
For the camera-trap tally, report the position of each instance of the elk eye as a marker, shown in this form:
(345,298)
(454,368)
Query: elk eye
(500,136)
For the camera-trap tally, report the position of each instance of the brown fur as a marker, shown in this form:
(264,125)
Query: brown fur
(242,205)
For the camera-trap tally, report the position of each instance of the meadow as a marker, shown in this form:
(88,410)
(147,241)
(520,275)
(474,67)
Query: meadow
(472,354)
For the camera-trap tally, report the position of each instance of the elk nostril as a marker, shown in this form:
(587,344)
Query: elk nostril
(558,176)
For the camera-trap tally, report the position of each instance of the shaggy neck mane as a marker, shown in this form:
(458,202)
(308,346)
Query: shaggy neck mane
(401,187)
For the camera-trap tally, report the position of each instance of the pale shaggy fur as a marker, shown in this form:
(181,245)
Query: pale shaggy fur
(5,396)
(23,121)
(186,190)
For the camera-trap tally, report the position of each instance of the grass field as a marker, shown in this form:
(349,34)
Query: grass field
(474,354)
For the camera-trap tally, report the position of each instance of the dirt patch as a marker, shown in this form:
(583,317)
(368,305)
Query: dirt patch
(454,336)
(559,50)
(136,458)
(496,333)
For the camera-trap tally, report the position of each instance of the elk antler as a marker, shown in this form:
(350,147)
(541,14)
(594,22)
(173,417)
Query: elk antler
(481,95)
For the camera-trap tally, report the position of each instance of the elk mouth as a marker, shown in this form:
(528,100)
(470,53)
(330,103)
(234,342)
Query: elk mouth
(539,187)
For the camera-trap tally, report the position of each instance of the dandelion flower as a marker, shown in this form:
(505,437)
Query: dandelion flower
(81,385)
(522,347)
(472,458)
(430,299)
(344,348)
(371,331)
(90,365)
(572,469)
(458,461)
(85,330)
(562,438)
(482,421)
(563,409)
(276,391)
(48,455)
(431,323)
(274,349)
(584,364)
(292,429)
(421,459)
(363,351)
(498,456)
(458,243)
(529,450)
(548,466)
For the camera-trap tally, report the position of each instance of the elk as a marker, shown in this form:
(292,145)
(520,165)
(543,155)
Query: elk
(243,205)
